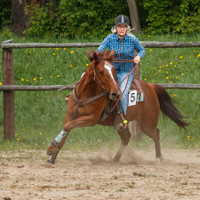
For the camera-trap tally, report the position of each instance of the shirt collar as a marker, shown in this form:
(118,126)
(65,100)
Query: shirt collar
(125,37)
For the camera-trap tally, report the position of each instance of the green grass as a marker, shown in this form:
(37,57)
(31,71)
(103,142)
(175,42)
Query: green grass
(39,114)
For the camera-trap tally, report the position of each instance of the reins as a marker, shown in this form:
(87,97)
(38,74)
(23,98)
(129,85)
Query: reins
(122,60)
(67,86)
(85,101)
(133,68)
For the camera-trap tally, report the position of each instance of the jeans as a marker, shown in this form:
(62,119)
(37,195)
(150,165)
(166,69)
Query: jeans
(124,98)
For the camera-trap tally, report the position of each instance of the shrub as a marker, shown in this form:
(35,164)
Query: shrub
(76,17)
(181,16)
(5,12)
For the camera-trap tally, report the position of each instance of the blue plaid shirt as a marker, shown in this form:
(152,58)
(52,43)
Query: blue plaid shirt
(129,43)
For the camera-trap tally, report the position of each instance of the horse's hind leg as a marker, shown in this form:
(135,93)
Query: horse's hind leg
(125,137)
(156,140)
(155,135)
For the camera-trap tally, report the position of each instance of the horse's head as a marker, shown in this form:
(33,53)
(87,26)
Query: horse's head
(104,72)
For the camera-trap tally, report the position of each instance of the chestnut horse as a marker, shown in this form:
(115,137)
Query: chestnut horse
(94,93)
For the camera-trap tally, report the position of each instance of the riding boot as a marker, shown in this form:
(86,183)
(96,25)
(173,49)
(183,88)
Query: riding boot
(120,122)
(124,122)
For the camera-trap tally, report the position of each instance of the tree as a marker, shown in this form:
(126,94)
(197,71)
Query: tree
(19,16)
(135,21)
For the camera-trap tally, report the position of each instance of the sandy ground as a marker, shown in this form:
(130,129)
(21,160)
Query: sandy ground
(92,175)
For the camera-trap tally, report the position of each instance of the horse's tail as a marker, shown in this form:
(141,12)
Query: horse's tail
(167,106)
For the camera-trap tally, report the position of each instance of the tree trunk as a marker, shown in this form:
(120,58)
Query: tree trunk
(135,20)
(19,16)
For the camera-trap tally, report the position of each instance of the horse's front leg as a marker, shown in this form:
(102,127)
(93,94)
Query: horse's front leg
(58,142)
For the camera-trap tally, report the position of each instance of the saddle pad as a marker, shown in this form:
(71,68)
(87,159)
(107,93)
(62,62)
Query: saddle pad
(135,93)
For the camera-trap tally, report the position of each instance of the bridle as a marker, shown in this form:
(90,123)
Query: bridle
(98,81)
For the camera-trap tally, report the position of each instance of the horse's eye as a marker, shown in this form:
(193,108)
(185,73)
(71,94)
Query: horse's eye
(101,72)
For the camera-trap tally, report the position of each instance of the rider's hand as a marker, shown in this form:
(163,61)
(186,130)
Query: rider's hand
(136,60)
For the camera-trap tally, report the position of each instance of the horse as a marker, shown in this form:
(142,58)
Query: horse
(96,90)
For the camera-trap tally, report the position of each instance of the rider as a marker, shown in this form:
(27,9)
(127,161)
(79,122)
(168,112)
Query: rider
(124,44)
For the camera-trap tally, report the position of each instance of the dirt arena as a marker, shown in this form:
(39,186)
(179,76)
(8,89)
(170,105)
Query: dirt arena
(92,175)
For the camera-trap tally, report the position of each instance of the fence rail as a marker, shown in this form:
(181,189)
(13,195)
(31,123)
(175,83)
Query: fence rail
(33,88)
(146,44)
(56,87)
(8,86)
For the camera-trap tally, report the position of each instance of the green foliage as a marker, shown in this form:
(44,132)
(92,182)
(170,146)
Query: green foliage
(87,19)
(164,16)
(75,18)
(5,12)
(6,33)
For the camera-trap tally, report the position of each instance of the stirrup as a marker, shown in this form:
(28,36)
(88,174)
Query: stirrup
(120,122)
(123,119)
(124,122)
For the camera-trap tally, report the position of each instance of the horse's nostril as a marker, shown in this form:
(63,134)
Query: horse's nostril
(115,96)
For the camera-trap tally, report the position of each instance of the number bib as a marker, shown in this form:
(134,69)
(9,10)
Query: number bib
(132,98)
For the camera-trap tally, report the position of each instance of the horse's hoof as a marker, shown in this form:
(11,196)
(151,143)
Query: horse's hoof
(159,159)
(49,161)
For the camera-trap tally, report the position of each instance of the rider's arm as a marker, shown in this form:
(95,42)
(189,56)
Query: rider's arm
(136,59)
(103,46)
(139,48)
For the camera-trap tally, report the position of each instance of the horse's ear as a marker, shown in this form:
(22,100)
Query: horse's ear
(90,55)
(112,54)
(95,56)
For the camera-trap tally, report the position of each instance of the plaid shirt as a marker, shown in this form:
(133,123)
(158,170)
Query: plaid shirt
(129,43)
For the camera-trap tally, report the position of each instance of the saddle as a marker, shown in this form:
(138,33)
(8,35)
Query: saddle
(135,85)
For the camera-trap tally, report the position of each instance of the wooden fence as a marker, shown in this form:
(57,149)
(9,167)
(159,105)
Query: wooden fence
(8,86)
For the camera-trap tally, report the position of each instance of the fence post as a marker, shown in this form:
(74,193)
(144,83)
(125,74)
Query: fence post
(8,96)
